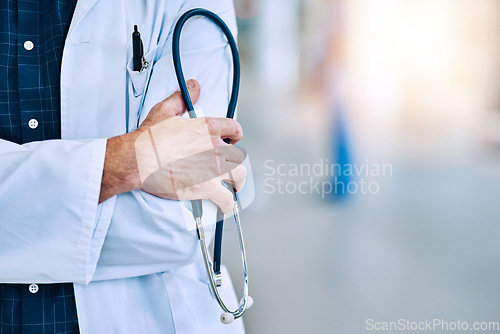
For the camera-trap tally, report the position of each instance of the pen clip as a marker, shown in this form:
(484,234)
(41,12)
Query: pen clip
(144,64)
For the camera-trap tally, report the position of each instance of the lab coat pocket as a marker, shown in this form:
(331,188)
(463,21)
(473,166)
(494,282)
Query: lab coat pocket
(194,310)
(139,79)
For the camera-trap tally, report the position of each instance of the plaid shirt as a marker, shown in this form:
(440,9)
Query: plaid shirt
(32,34)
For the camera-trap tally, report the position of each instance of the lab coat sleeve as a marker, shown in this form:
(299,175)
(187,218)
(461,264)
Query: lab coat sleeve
(148,234)
(49,202)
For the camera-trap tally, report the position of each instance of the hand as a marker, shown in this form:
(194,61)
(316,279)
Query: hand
(177,158)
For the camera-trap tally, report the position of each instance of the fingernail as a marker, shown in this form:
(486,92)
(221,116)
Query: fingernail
(190,83)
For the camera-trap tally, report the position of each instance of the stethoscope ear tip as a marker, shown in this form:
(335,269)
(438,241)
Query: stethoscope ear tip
(226,318)
(249,302)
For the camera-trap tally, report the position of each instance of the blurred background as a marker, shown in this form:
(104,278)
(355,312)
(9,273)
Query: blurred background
(391,108)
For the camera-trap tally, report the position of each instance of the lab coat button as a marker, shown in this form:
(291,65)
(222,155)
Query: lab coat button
(28,45)
(33,288)
(33,123)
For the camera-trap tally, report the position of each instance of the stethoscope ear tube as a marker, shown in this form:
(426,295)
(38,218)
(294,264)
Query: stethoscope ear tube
(177,59)
(214,272)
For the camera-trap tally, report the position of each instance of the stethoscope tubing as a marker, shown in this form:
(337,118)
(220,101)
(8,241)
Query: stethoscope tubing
(177,59)
(197,204)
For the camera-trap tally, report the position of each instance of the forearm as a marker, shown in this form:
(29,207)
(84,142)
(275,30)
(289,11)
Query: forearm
(49,193)
(149,234)
(120,173)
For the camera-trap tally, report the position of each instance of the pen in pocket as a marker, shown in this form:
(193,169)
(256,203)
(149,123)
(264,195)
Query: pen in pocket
(138,59)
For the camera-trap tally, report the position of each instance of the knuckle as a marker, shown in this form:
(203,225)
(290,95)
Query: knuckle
(238,129)
(211,125)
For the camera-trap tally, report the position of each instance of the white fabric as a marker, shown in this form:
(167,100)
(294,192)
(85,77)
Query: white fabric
(135,267)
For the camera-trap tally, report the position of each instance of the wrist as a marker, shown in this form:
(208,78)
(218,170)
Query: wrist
(120,173)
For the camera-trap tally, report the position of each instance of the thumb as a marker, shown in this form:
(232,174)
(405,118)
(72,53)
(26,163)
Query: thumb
(174,104)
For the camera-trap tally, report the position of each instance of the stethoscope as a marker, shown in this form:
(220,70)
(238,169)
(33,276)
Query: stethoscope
(214,271)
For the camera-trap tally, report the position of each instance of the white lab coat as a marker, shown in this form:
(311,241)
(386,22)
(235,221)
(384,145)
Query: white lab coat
(135,266)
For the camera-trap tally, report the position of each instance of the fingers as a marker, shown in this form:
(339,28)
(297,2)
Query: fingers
(231,153)
(236,177)
(223,198)
(224,128)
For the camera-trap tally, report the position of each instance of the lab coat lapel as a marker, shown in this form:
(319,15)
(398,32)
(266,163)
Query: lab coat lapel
(82,8)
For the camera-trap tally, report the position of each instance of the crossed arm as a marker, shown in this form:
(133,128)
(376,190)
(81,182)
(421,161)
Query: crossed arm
(132,158)
(52,229)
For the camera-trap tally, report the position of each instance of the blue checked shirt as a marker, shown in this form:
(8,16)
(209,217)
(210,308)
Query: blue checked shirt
(32,34)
